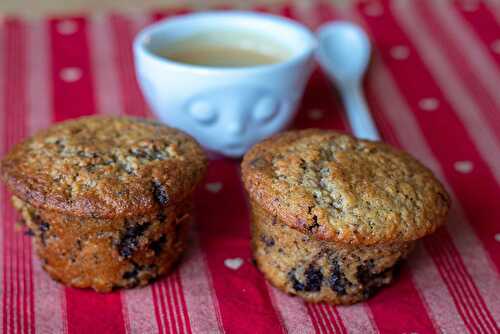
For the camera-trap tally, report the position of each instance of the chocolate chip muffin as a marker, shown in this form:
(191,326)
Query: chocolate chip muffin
(333,216)
(107,199)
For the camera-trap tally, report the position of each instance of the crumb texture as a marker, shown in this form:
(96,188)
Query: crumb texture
(105,167)
(318,270)
(335,187)
(106,254)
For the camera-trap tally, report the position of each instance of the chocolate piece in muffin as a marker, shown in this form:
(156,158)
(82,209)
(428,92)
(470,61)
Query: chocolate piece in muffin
(108,199)
(333,216)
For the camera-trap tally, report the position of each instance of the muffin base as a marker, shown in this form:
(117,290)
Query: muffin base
(106,254)
(321,271)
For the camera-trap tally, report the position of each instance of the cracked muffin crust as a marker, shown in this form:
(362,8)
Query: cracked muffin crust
(330,208)
(107,199)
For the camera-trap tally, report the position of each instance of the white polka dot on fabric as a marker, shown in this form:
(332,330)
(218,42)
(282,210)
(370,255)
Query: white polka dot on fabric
(495,46)
(213,187)
(497,237)
(464,166)
(70,74)
(233,264)
(67,27)
(373,9)
(400,52)
(428,104)
(315,114)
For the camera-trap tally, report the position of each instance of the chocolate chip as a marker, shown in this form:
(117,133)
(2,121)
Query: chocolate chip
(131,274)
(314,225)
(364,272)
(297,286)
(29,232)
(130,240)
(258,162)
(337,279)
(268,241)
(43,227)
(314,278)
(157,245)
(160,193)
(161,216)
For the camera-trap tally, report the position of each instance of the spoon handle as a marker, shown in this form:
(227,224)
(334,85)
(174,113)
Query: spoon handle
(359,116)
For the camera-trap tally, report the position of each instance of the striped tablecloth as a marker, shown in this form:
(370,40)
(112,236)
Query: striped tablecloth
(433,88)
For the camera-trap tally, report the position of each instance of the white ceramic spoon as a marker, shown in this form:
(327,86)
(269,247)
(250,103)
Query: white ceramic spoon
(344,53)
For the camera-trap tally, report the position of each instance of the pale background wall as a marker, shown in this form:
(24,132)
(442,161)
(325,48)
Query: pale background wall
(42,7)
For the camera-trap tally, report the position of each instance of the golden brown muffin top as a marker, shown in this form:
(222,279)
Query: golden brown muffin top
(335,187)
(104,167)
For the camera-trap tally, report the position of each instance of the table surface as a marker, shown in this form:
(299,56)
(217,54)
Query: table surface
(432,89)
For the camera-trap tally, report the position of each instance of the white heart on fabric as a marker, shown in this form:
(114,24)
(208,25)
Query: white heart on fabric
(233,264)
(464,166)
(213,187)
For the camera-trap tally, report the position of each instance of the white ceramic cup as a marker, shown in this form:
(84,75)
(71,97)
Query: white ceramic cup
(227,109)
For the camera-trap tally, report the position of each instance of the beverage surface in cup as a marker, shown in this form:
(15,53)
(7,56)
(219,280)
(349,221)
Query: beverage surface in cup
(224,49)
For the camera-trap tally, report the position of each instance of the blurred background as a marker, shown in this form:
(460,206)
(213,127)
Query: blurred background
(41,7)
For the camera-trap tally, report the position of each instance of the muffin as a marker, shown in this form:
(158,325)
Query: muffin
(107,199)
(333,216)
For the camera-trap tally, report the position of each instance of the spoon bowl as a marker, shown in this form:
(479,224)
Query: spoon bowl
(344,53)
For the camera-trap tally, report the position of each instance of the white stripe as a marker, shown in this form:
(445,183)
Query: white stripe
(357,318)
(104,65)
(450,83)
(476,260)
(199,294)
(478,55)
(436,298)
(49,295)
(139,310)
(292,311)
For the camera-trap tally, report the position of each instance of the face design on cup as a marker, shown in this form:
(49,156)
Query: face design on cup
(232,119)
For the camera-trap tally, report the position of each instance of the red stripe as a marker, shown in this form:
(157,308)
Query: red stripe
(455,144)
(404,302)
(17,275)
(333,318)
(156,306)
(318,324)
(456,291)
(456,57)
(182,302)
(87,311)
(224,233)
(443,248)
(174,321)
(483,23)
(432,123)
(335,313)
(321,314)
(123,35)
